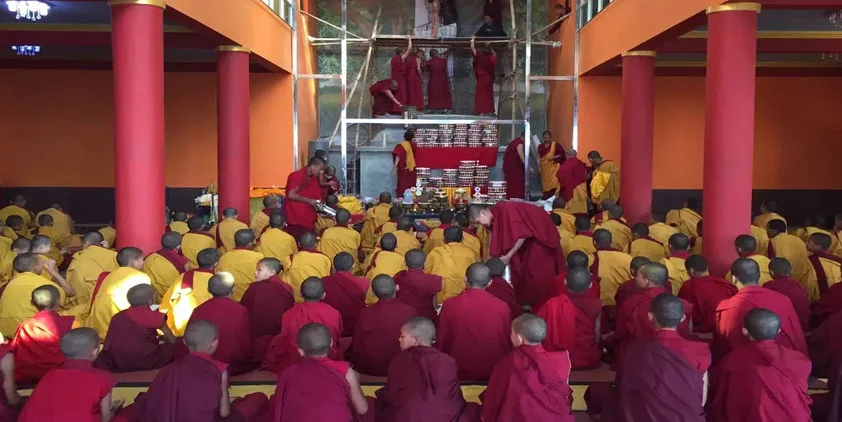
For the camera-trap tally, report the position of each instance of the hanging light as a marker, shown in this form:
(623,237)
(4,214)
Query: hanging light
(26,50)
(28,9)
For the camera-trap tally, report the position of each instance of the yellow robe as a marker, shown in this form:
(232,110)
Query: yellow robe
(192,244)
(407,241)
(16,302)
(306,264)
(179,303)
(59,241)
(450,261)
(605,216)
(278,244)
(374,218)
(10,210)
(385,262)
(109,235)
(795,251)
(606,183)
(84,270)
(179,227)
(43,258)
(662,232)
(242,264)
(473,242)
(762,238)
(225,231)
(111,297)
(9,233)
(583,243)
(685,220)
(338,239)
(677,272)
(387,227)
(835,246)
(696,249)
(762,262)
(61,221)
(161,272)
(832,270)
(6,270)
(566,241)
(763,219)
(621,234)
(568,220)
(578,204)
(324,223)
(614,270)
(484,237)
(651,249)
(259,222)
(5,245)
(435,238)
(549,169)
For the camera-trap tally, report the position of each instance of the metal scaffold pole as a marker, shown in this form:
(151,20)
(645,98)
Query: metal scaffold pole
(343,134)
(527,109)
(294,27)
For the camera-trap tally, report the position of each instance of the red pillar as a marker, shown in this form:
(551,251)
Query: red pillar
(138,60)
(638,128)
(233,129)
(729,129)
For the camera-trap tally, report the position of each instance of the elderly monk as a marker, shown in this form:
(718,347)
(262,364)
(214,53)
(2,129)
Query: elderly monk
(679,245)
(303,193)
(501,288)
(346,292)
(768,212)
(10,407)
(573,321)
(374,218)
(36,342)
(550,156)
(266,301)
(42,246)
(189,291)
(605,182)
(227,229)
(704,292)
(179,223)
(232,320)
(307,262)
(583,239)
(731,312)
(377,327)
(530,384)
(687,218)
(241,262)
(405,236)
(59,239)
(391,225)
(761,380)
(196,240)
(621,234)
(165,265)
(404,163)
(827,267)
(525,239)
(15,304)
(334,385)
(385,260)
(94,259)
(17,207)
(21,245)
(417,288)
(450,261)
(110,294)
(132,343)
(609,265)
(383,100)
(461,336)
(572,177)
(435,237)
(260,220)
(342,238)
(785,245)
(746,247)
(422,382)
(275,242)
(783,283)
(644,245)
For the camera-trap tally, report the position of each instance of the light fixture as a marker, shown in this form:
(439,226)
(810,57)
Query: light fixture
(26,50)
(28,9)
(835,17)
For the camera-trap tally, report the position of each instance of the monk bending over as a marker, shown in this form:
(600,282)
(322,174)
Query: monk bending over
(179,223)
(15,304)
(164,266)
(189,291)
(661,231)
(241,262)
(94,259)
(111,290)
(609,265)
(686,218)
(42,245)
(679,245)
(346,292)
(417,288)
(384,260)
(645,246)
(783,283)
(450,261)
(227,229)
(500,288)
(266,301)
(21,245)
(275,242)
(36,342)
(307,262)
(704,292)
(19,226)
(196,240)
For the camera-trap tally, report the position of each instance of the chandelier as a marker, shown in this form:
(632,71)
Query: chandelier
(26,50)
(28,9)
(835,18)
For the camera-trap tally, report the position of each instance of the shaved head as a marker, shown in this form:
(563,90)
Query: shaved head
(746,271)
(26,263)
(230,213)
(388,242)
(270,201)
(180,216)
(385,198)
(21,245)
(384,286)
(171,240)
(405,223)
(312,290)
(93,238)
(207,258)
(762,324)
(531,328)
(578,280)
(395,213)
(679,242)
(655,273)
(667,309)
(243,238)
(780,267)
(745,244)
(45,297)
(128,255)
(422,328)
(200,335)
(80,343)
(496,266)
(314,340)
(272,264)
(221,284)
(41,243)
(343,261)
(45,220)
(343,217)
(415,259)
(638,262)
(195,223)
(478,275)
(277,221)
(577,259)
(602,238)
(307,240)
(141,295)
(453,234)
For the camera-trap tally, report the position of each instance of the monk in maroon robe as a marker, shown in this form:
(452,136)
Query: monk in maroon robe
(439,96)
(132,342)
(398,68)
(825,346)
(476,345)
(303,191)
(266,301)
(383,100)
(346,292)
(485,60)
(417,288)
(829,304)
(783,283)
(571,173)
(629,287)
(514,170)
(11,403)
(414,70)
(576,259)
(36,341)
(731,312)
(403,157)
(523,237)
(500,288)
(704,292)
(761,380)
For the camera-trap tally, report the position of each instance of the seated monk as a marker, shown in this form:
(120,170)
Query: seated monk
(731,312)
(573,322)
(36,342)
(345,292)
(94,259)
(233,322)
(566,236)
(785,245)
(266,301)
(679,251)
(645,246)
(604,214)
(761,380)
(318,388)
(12,402)
(696,244)
(21,245)
(179,223)
(342,238)
(42,245)
(759,234)
(469,236)
(189,291)
(704,292)
(322,222)
(306,263)
(59,240)
(375,217)
(829,304)
(283,350)
(621,234)
(195,387)
(164,266)
(500,288)
(609,265)
(450,261)
(417,288)
(568,220)
(7,231)
(422,381)
(576,259)
(827,267)
(260,220)
(661,231)
(227,229)
(15,302)
(378,325)
(109,234)
(783,283)
(768,212)
(19,226)
(825,347)
(132,343)
(817,224)
(746,247)
(436,235)
(530,384)
(17,207)
(385,260)
(583,238)
(391,225)
(61,220)
(196,240)
(275,242)
(76,391)
(687,218)
(405,236)
(241,262)
(461,335)
(109,295)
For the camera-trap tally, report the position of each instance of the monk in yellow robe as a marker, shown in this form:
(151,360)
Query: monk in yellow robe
(827,267)
(241,262)
(621,233)
(816,224)
(610,265)
(59,240)
(375,217)
(450,262)
(390,226)
(759,234)
(341,238)
(550,156)
(277,243)
(21,245)
(583,239)
(307,262)
(7,231)
(16,223)
(227,228)
(43,246)
(189,291)
(18,208)
(746,247)
(16,301)
(324,222)
(785,245)
(179,223)
(164,266)
(61,220)
(469,239)
(109,234)
(565,236)
(5,245)
(768,212)
(196,240)
(260,220)
(406,237)
(645,246)
(679,252)
(110,292)
(484,236)
(436,235)
(687,218)
(605,183)
(94,259)
(385,260)
(568,220)
(660,231)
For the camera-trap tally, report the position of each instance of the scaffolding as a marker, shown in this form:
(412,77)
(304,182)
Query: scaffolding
(376,40)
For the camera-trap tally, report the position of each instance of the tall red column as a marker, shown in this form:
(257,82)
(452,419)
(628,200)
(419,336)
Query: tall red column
(233,129)
(638,129)
(138,60)
(729,129)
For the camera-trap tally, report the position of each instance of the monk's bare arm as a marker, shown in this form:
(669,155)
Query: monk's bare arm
(168,336)
(473,45)
(418,66)
(598,325)
(10,390)
(357,397)
(408,47)
(225,400)
(508,257)
(395,166)
(391,96)
(68,289)
(705,382)
(109,407)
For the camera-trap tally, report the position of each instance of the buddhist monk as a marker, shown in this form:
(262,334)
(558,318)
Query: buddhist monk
(731,312)
(196,240)
(687,218)
(403,157)
(325,221)
(513,169)
(768,212)
(423,384)
(15,301)
(21,245)
(241,262)
(414,87)
(260,220)
(439,97)
(530,384)
(59,239)
(61,220)
(761,380)
(416,288)
(759,234)
(573,321)
(42,246)
(576,259)
(827,267)
(611,266)
(645,246)
(450,261)
(500,287)
(6,231)
(179,223)
(266,301)
(374,218)
(783,283)
(76,391)
(746,247)
(391,225)
(283,351)
(318,388)
(383,99)
(165,265)
(629,287)
(550,156)
(785,245)
(12,402)
(485,60)
(469,233)
(110,294)
(817,224)
(565,236)
(233,322)
(303,193)
(385,260)
(189,291)
(227,228)
(461,336)
(398,70)
(132,343)
(572,183)
(525,239)
(435,237)
(277,243)
(307,262)
(17,207)
(704,292)
(583,240)
(568,220)
(660,231)
(621,234)
(19,226)
(679,251)
(109,234)
(36,342)
(406,236)
(94,259)
(346,292)
(605,183)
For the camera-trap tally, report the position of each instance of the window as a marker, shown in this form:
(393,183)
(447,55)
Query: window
(587,9)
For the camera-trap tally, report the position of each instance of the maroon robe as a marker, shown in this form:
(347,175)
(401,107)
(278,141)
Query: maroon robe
(827,407)
(381,104)
(705,293)
(570,174)
(234,325)
(501,289)
(406,178)
(571,325)
(513,171)
(830,303)
(438,85)
(825,345)
(494,9)
(629,289)
(71,393)
(175,258)
(414,88)
(418,289)
(266,302)
(797,294)
(131,343)
(283,350)
(346,293)
(484,65)
(376,336)
(477,345)
(8,413)
(301,217)
(398,67)
(36,346)
(560,288)
(313,390)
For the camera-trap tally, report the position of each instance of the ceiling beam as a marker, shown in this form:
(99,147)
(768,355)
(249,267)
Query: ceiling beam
(801,4)
(172,40)
(764,45)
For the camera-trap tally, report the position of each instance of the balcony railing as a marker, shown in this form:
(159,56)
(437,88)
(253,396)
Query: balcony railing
(588,9)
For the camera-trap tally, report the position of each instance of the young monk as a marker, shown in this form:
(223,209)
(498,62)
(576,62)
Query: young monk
(196,240)
(687,218)
(609,265)
(227,229)
(307,262)
(746,247)
(179,223)
(374,337)
(109,234)
(17,207)
(621,234)
(768,212)
(36,342)
(342,238)
(109,295)
(417,288)
(266,301)
(566,236)
(661,231)
(189,291)
(94,259)
(530,384)
(374,218)
(450,261)
(629,288)
(785,245)
(19,226)
(783,283)
(576,259)
(165,265)
(460,336)
(326,222)
(391,225)
(59,240)
(260,220)
(405,236)
(679,251)
(436,235)
(233,322)
(333,384)
(42,245)
(384,260)
(568,220)
(827,267)
(275,242)
(500,288)
(583,239)
(21,245)
(76,391)
(761,380)
(645,246)
(132,343)
(346,292)
(241,262)
(15,304)
(704,292)
(469,236)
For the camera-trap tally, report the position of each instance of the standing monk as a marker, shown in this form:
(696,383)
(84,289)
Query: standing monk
(303,192)
(605,184)
(513,169)
(241,262)
(572,177)
(704,292)
(36,342)
(383,100)
(189,291)
(550,157)
(275,242)
(261,219)
(398,67)
(266,300)
(375,217)
(165,265)
(439,97)
(227,228)
(414,88)
(196,240)
(404,163)
(485,61)
(306,263)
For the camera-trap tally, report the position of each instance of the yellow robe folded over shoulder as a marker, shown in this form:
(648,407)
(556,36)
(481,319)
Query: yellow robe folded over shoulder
(278,244)
(583,243)
(621,234)
(323,223)
(435,238)
(677,272)
(648,248)
(606,183)
(835,245)
(306,264)
(242,264)
(193,243)
(568,220)
(685,220)
(259,222)
(6,269)
(614,270)
(109,234)
(832,271)
(179,302)
(225,231)
(61,221)
(566,241)
(407,241)
(179,227)
(111,297)
(162,273)
(794,250)
(662,232)
(450,261)
(338,239)
(761,237)
(763,219)
(16,302)
(8,233)
(374,218)
(84,270)
(10,210)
